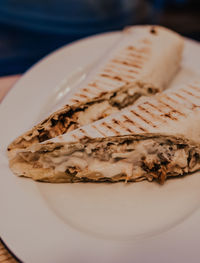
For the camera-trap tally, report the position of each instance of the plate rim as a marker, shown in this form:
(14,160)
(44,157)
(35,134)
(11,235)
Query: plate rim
(32,185)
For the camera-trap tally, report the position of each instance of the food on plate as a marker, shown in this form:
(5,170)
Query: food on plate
(142,63)
(135,144)
(72,117)
(174,111)
(150,55)
(129,158)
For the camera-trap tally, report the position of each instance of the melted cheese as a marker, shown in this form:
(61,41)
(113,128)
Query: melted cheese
(180,158)
(121,161)
(108,169)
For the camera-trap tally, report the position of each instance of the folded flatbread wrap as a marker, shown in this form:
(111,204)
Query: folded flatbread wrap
(135,144)
(120,158)
(174,111)
(142,63)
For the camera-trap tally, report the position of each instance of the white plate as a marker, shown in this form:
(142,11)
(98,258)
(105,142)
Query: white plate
(42,222)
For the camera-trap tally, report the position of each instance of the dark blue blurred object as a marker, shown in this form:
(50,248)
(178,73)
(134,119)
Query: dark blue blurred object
(20,49)
(31,29)
(159,4)
(72,17)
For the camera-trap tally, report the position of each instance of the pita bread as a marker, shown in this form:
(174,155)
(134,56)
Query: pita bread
(174,111)
(142,63)
(138,143)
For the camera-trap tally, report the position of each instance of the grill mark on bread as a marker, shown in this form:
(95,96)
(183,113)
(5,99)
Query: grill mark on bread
(132,123)
(85,89)
(111,128)
(89,90)
(170,111)
(142,50)
(137,61)
(84,132)
(131,48)
(122,68)
(126,76)
(119,81)
(138,55)
(116,68)
(99,130)
(81,95)
(164,96)
(75,100)
(138,58)
(109,79)
(191,94)
(124,64)
(163,113)
(126,125)
(94,85)
(111,76)
(154,107)
(149,122)
(110,84)
(132,59)
(102,87)
(105,125)
(138,125)
(128,128)
(121,125)
(177,111)
(99,90)
(133,53)
(173,110)
(195,88)
(114,74)
(143,119)
(184,99)
(94,93)
(150,113)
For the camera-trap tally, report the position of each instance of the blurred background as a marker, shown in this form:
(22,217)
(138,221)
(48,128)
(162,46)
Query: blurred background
(30,29)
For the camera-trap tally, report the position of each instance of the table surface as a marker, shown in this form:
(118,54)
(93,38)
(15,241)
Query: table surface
(6,84)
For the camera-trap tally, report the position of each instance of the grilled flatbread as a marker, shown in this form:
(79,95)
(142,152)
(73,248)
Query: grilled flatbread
(175,111)
(130,158)
(142,63)
(145,152)
(151,155)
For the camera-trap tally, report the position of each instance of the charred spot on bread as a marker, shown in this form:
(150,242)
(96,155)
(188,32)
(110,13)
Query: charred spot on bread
(153,31)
